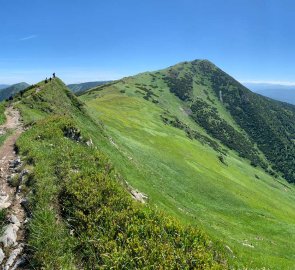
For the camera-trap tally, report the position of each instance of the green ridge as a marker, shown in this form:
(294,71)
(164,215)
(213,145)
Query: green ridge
(206,151)
(82,217)
(230,192)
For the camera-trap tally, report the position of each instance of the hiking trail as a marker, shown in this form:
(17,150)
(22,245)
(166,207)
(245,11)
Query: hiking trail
(12,235)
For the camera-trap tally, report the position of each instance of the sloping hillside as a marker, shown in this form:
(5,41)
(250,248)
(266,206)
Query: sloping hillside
(270,124)
(82,215)
(189,141)
(82,87)
(12,90)
(207,150)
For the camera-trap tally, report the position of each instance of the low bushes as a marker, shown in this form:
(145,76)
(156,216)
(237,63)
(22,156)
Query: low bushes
(82,216)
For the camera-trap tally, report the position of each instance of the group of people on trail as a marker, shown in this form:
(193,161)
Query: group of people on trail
(53,77)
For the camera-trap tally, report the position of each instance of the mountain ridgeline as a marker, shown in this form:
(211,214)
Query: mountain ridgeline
(10,91)
(221,155)
(128,172)
(269,124)
(81,206)
(264,127)
(79,88)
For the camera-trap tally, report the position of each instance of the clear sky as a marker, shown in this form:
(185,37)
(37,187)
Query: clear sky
(88,40)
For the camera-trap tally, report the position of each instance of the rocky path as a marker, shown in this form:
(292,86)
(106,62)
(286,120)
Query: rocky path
(12,235)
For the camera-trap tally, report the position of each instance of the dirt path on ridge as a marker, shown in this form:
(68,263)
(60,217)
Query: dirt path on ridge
(12,238)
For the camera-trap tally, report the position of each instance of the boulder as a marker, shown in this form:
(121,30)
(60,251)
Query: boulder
(4,203)
(14,220)
(138,196)
(9,235)
(12,257)
(89,142)
(15,163)
(23,173)
(2,256)
(26,205)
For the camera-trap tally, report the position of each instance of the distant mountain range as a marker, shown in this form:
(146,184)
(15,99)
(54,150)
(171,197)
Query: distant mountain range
(285,93)
(12,90)
(7,91)
(82,87)
(3,86)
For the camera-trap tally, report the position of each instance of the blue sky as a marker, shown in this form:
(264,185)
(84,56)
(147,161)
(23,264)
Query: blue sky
(87,40)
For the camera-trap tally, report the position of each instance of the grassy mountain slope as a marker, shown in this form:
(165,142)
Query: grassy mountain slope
(270,124)
(175,136)
(12,90)
(81,216)
(82,87)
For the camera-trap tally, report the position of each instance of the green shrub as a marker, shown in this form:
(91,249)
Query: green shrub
(77,198)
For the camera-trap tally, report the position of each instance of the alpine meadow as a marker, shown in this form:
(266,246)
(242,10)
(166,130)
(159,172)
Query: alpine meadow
(162,170)
(131,139)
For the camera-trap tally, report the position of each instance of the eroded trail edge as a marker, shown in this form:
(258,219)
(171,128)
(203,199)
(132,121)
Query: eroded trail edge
(12,234)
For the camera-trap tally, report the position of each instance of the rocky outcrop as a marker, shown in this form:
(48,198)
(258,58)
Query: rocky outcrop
(9,236)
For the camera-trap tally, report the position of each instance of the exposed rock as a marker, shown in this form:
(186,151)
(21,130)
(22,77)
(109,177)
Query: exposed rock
(15,163)
(89,142)
(139,196)
(74,171)
(2,255)
(3,197)
(26,205)
(230,251)
(113,143)
(14,220)
(13,256)
(12,174)
(19,263)
(23,173)
(9,235)
(248,245)
(73,133)
(19,189)
(4,203)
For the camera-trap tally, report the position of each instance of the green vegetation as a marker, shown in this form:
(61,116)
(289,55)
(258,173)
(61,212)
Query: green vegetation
(2,219)
(4,136)
(192,134)
(12,90)
(82,87)
(2,115)
(182,87)
(241,205)
(191,138)
(270,124)
(82,217)
(207,117)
